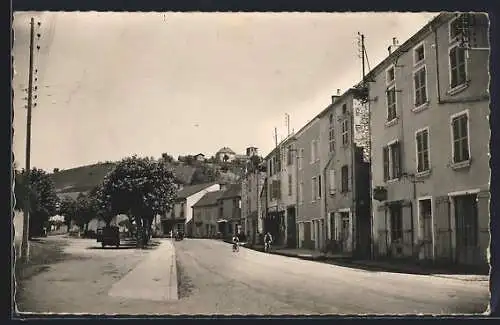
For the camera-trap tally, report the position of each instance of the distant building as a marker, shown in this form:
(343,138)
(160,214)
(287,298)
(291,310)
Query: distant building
(180,217)
(229,205)
(205,215)
(252,151)
(199,157)
(225,152)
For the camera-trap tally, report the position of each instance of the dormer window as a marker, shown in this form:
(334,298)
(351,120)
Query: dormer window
(419,54)
(390,75)
(458,26)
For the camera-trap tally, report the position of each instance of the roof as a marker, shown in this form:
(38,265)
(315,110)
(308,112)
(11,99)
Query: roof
(436,21)
(233,190)
(200,154)
(187,191)
(226,150)
(208,199)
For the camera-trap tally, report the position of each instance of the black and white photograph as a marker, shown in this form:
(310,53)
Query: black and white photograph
(251,163)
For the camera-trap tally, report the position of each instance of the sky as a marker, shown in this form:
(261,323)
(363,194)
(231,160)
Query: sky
(111,85)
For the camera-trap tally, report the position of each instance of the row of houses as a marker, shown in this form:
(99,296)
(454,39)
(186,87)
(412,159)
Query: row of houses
(396,166)
(204,210)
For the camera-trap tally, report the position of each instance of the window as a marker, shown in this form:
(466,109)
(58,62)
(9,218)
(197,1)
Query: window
(390,75)
(345,178)
(460,132)
(319,186)
(270,167)
(420,84)
(396,222)
(419,54)
(344,109)
(313,151)
(392,161)
(345,132)
(249,184)
(458,26)
(391,103)
(301,158)
(290,184)
(313,188)
(301,193)
(422,140)
(289,156)
(458,73)
(331,134)
(331,181)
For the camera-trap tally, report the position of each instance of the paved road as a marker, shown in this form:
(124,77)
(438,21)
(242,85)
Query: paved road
(251,282)
(214,280)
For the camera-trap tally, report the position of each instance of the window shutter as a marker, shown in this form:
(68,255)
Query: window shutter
(332,181)
(386,162)
(319,186)
(398,163)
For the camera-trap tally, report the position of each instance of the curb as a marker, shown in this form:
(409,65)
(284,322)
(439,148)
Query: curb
(174,290)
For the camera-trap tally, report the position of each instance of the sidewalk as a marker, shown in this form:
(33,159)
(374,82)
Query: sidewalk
(155,278)
(398,266)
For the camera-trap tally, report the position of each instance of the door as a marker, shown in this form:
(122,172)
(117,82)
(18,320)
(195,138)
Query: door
(333,226)
(426,221)
(344,231)
(307,235)
(466,221)
(291,228)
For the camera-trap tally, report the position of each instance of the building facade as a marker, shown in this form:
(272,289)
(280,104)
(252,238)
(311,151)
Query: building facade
(229,207)
(205,215)
(346,199)
(310,222)
(180,218)
(430,137)
(251,186)
(281,200)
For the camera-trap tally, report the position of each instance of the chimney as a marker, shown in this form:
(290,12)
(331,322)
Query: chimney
(393,46)
(334,97)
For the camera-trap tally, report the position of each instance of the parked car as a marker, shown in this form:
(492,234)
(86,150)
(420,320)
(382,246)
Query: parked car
(99,235)
(110,236)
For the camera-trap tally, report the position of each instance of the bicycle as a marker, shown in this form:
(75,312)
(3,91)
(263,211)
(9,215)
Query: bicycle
(267,247)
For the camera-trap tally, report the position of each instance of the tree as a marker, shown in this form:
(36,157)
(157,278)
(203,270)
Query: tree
(140,188)
(43,198)
(83,213)
(167,158)
(205,174)
(67,209)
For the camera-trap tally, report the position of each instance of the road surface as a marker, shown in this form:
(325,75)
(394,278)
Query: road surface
(214,280)
(254,282)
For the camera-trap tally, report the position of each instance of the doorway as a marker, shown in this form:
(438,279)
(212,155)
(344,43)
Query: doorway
(344,231)
(425,208)
(466,221)
(291,228)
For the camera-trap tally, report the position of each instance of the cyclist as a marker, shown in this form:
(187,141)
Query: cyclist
(236,241)
(268,239)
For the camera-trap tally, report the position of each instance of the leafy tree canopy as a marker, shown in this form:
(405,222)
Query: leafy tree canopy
(141,187)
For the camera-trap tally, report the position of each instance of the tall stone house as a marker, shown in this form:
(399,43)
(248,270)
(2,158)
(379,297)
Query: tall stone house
(429,104)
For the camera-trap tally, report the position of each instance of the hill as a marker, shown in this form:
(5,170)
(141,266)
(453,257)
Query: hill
(72,181)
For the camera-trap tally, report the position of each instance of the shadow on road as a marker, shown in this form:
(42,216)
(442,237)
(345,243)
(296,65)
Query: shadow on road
(126,244)
(404,266)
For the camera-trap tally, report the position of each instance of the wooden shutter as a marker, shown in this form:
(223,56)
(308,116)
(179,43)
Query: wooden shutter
(386,162)
(397,161)
(332,181)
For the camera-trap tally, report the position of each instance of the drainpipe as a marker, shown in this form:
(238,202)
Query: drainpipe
(354,239)
(325,189)
(436,52)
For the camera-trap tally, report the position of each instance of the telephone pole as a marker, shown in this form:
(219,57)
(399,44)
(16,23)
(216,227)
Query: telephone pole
(26,220)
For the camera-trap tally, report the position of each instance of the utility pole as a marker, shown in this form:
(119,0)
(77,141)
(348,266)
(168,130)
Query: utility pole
(26,220)
(287,118)
(275,137)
